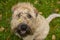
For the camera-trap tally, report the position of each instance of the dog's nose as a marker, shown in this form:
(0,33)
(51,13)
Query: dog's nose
(23,26)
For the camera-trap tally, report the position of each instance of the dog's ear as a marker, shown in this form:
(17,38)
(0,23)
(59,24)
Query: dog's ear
(36,11)
(14,7)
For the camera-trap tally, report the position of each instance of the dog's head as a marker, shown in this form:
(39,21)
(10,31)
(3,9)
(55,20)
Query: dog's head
(23,19)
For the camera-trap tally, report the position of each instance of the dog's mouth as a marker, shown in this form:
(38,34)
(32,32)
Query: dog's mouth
(23,33)
(23,30)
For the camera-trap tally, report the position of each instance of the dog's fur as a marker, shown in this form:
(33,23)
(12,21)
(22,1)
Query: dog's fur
(38,24)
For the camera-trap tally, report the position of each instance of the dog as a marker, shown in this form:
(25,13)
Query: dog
(28,24)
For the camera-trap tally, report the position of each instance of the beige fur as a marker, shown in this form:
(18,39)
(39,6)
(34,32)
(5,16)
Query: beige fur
(39,25)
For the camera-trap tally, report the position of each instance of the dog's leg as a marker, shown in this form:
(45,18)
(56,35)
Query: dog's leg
(39,38)
(28,38)
(41,35)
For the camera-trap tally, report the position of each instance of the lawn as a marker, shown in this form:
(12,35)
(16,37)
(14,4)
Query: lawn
(46,7)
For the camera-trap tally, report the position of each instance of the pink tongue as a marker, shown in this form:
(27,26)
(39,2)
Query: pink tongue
(23,32)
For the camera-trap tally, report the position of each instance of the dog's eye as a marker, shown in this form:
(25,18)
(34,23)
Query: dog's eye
(29,16)
(18,15)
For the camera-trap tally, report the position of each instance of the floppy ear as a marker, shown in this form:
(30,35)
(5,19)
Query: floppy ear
(14,7)
(36,11)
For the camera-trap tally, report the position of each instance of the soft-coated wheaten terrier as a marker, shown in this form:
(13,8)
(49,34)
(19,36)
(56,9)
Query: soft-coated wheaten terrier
(28,24)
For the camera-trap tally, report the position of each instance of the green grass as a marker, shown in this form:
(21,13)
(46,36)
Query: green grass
(47,7)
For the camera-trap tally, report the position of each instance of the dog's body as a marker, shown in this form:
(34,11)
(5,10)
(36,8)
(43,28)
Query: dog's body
(28,24)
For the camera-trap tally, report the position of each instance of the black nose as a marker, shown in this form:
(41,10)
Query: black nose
(23,26)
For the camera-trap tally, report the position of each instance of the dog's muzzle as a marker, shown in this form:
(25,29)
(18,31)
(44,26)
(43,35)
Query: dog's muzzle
(23,30)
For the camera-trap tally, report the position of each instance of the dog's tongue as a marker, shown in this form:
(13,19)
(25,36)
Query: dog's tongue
(23,32)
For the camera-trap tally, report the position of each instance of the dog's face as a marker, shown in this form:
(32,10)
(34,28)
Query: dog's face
(23,19)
